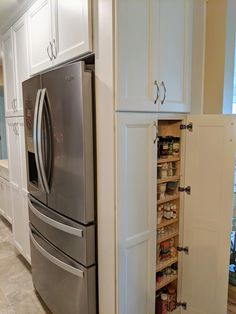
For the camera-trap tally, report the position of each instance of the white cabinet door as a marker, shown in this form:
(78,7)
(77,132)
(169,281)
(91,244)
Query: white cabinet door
(2,198)
(20,43)
(210,151)
(73,29)
(172,50)
(135,89)
(40,35)
(153,55)
(18,219)
(8,73)
(21,138)
(8,203)
(136,213)
(13,151)
(26,227)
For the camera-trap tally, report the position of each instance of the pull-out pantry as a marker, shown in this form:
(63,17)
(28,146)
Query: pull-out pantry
(175,176)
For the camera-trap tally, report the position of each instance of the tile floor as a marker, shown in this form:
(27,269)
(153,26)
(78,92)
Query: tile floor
(17,295)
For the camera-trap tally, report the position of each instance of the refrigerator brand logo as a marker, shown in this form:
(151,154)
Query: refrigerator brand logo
(69,78)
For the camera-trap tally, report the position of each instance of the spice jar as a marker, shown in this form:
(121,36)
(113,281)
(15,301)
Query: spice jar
(171,297)
(164,147)
(164,303)
(176,146)
(170,140)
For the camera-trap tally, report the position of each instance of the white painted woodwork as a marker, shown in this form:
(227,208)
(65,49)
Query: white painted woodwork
(150,48)
(136,213)
(2,197)
(40,35)
(8,72)
(13,152)
(172,50)
(8,203)
(22,161)
(20,44)
(209,170)
(73,35)
(18,227)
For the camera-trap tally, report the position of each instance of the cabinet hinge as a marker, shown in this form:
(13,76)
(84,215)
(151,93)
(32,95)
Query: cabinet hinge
(182,304)
(187,127)
(183,249)
(187,189)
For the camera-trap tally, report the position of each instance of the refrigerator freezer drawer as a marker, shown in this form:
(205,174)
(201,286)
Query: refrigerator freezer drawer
(72,238)
(64,285)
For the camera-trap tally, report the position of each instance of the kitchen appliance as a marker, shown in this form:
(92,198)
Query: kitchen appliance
(59,131)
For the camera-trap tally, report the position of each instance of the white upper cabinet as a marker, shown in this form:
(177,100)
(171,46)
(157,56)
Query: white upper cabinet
(15,66)
(73,29)
(20,44)
(9,74)
(153,55)
(40,35)
(58,31)
(136,213)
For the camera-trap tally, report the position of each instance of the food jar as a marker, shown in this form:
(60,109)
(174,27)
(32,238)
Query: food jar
(176,146)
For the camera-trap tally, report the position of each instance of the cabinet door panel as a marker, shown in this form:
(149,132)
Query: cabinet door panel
(73,25)
(210,151)
(172,54)
(8,72)
(8,203)
(19,31)
(13,152)
(136,213)
(134,86)
(18,219)
(40,35)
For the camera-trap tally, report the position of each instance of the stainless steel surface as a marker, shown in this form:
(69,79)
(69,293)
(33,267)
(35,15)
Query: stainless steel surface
(30,93)
(39,141)
(157,92)
(164,87)
(72,185)
(56,261)
(63,291)
(54,223)
(74,239)
(54,47)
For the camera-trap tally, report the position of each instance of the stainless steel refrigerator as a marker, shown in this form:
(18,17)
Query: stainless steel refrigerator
(59,138)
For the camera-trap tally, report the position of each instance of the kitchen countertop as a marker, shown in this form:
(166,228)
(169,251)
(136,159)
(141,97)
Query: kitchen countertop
(4,171)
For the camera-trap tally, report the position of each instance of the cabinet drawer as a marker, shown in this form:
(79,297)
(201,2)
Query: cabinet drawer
(74,239)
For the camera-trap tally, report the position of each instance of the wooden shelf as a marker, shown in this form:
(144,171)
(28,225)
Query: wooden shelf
(167,263)
(168,179)
(168,159)
(163,237)
(166,281)
(166,222)
(168,199)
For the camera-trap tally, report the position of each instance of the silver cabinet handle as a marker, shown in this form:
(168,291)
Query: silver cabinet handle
(164,98)
(16,129)
(158,92)
(50,56)
(54,49)
(75,271)
(15,103)
(54,223)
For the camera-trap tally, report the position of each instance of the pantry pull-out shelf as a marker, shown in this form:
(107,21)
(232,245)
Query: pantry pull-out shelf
(167,263)
(166,281)
(167,222)
(168,179)
(168,199)
(168,159)
(162,238)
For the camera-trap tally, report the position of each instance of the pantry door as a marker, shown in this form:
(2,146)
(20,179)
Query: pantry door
(210,152)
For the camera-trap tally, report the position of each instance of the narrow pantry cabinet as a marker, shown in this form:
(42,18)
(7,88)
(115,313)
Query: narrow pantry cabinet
(17,173)
(158,79)
(15,66)
(58,31)
(174,209)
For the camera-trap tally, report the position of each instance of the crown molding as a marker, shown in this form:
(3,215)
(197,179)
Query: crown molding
(15,15)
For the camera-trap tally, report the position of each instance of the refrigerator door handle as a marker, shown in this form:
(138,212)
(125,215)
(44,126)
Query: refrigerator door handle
(75,271)
(39,139)
(54,223)
(36,109)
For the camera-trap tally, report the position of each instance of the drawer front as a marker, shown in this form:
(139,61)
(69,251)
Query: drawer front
(64,285)
(73,239)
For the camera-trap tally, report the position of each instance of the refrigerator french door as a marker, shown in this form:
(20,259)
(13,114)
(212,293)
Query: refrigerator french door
(60,162)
